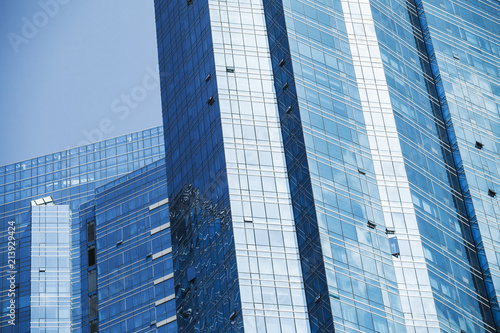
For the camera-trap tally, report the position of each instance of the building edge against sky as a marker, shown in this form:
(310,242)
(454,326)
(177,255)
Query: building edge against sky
(393,192)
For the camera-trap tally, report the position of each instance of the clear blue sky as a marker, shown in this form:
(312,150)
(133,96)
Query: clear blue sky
(74,71)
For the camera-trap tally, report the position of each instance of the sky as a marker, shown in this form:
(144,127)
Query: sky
(74,72)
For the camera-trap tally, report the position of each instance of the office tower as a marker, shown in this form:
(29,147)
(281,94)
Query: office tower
(69,178)
(127,282)
(357,138)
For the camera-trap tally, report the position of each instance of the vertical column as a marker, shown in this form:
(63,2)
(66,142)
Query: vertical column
(269,272)
(399,214)
(50,268)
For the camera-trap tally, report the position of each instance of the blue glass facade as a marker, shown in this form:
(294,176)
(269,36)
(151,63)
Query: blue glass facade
(197,188)
(128,255)
(70,178)
(447,222)
(387,113)
(230,204)
(465,58)
(359,280)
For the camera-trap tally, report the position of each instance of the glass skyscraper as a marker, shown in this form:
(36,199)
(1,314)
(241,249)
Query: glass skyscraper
(38,288)
(332,165)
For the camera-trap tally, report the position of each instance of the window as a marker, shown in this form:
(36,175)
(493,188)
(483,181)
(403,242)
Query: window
(91,232)
(393,242)
(93,306)
(91,255)
(94,327)
(92,281)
